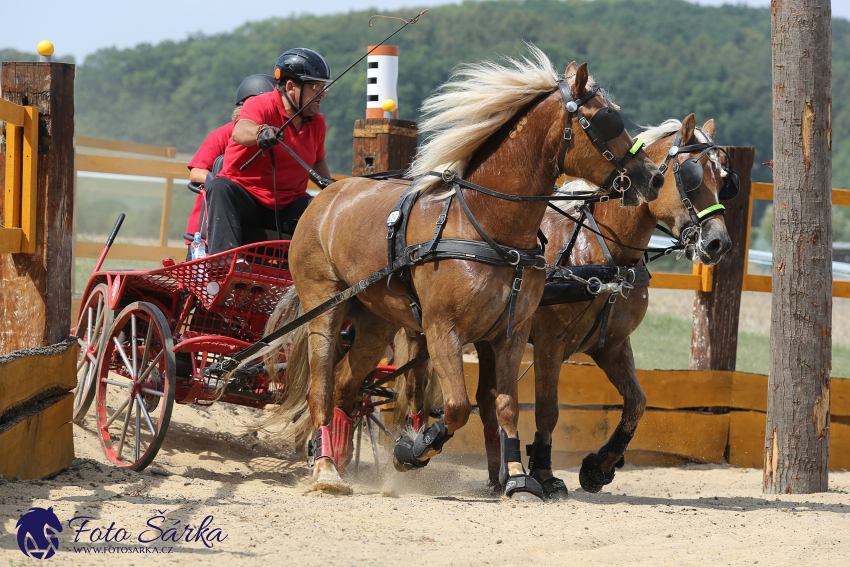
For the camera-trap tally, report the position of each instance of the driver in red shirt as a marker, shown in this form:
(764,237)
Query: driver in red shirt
(255,197)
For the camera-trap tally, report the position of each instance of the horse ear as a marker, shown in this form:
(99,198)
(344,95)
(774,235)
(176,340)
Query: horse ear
(571,69)
(709,128)
(580,81)
(688,125)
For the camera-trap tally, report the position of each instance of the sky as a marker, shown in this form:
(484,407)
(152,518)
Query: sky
(81,27)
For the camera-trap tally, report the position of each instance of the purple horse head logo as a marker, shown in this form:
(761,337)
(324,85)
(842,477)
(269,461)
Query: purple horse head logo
(37,531)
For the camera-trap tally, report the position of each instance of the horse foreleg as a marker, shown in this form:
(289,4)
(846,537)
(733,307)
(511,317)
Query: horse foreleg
(447,357)
(508,355)
(486,398)
(548,358)
(597,469)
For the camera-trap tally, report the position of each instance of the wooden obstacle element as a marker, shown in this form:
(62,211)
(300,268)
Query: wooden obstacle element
(35,306)
(714,340)
(36,435)
(692,415)
(383,144)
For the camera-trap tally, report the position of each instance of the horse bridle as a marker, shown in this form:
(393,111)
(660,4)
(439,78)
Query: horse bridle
(604,126)
(689,175)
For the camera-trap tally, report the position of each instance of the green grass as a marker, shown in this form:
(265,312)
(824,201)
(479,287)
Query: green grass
(663,342)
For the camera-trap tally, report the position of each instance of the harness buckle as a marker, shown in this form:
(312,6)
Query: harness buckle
(687,203)
(612,298)
(608,155)
(517,286)
(448,176)
(568,133)
(584,122)
(604,198)
(441,220)
(518,257)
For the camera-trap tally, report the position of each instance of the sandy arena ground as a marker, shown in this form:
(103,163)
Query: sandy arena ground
(690,515)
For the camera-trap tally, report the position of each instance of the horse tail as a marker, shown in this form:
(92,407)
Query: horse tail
(289,423)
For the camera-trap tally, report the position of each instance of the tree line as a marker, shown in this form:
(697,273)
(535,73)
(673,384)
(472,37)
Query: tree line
(659,58)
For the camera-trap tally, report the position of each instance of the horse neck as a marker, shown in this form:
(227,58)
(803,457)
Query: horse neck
(520,159)
(633,226)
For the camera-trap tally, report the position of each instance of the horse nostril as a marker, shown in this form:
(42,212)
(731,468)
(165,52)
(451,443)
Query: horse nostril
(657,181)
(714,247)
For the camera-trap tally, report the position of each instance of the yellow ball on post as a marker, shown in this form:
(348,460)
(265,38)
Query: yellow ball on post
(45,48)
(389,105)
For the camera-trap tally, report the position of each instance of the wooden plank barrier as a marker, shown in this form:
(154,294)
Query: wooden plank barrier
(692,415)
(36,434)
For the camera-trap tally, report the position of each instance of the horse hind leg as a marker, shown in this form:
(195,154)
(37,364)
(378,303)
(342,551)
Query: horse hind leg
(411,410)
(322,333)
(597,469)
(372,335)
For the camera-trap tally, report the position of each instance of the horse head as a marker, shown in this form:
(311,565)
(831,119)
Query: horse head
(689,201)
(617,160)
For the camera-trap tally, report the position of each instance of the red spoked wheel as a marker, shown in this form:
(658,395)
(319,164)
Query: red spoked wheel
(135,386)
(92,328)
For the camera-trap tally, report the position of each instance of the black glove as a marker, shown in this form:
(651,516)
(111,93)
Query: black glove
(267,137)
(324,181)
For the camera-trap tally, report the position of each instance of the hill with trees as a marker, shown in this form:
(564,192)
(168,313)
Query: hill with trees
(659,58)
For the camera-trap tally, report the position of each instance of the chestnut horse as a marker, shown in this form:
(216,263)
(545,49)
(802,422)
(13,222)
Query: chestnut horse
(561,330)
(499,126)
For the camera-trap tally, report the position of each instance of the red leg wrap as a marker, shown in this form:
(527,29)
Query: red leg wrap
(321,444)
(343,434)
(417,420)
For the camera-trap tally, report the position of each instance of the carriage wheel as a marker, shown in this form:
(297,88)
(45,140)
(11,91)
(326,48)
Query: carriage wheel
(135,386)
(92,327)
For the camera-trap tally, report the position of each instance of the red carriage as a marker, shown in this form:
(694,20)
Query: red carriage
(147,338)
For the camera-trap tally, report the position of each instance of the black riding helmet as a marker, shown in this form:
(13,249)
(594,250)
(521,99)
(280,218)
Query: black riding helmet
(303,65)
(253,86)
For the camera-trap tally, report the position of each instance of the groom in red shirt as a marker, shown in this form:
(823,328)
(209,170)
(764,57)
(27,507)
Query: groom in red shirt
(254,197)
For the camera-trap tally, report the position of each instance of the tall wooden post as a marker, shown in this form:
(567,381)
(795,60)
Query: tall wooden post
(796,456)
(714,340)
(383,144)
(35,289)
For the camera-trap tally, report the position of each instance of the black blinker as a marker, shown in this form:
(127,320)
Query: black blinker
(731,186)
(691,174)
(608,124)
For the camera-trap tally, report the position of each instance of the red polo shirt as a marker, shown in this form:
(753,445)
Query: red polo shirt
(212,147)
(292,178)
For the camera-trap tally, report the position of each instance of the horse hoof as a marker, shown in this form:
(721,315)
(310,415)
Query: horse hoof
(591,476)
(524,488)
(403,459)
(326,479)
(555,489)
(526,497)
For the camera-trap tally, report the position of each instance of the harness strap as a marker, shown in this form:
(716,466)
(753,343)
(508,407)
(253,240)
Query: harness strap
(496,246)
(441,224)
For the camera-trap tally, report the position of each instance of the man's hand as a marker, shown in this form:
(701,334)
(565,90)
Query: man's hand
(324,181)
(267,137)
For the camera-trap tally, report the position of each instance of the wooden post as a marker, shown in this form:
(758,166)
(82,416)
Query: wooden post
(714,340)
(35,303)
(383,144)
(796,454)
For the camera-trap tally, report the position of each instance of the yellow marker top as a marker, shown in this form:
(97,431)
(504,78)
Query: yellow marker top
(45,48)
(389,105)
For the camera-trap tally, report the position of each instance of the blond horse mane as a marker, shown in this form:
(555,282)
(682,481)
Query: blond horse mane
(473,104)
